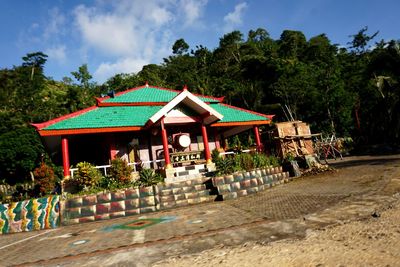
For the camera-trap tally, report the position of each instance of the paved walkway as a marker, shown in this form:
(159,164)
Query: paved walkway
(360,186)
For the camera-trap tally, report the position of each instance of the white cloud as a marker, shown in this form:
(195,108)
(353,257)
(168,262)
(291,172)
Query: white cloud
(234,18)
(55,25)
(192,10)
(126,65)
(127,30)
(57,53)
(133,32)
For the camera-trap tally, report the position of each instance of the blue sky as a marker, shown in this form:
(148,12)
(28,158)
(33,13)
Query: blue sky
(120,36)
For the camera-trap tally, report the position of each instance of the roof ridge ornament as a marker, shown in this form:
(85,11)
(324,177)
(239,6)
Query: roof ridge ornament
(185,88)
(146,84)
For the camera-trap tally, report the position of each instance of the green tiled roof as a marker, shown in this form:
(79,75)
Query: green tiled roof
(236,115)
(102,117)
(126,116)
(150,94)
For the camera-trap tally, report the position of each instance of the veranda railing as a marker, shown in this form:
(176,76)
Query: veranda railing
(145,164)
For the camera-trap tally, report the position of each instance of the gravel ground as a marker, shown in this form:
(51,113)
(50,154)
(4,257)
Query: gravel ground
(366,241)
(371,242)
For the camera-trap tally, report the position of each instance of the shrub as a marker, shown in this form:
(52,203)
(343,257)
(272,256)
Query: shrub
(274,161)
(148,177)
(86,176)
(215,156)
(45,179)
(244,162)
(224,165)
(120,171)
(261,160)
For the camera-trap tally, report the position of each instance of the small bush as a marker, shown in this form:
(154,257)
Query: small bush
(225,166)
(274,161)
(45,180)
(120,171)
(148,177)
(244,162)
(87,176)
(261,160)
(215,155)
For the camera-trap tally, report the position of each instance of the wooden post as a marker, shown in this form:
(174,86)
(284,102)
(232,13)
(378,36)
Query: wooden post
(65,156)
(207,153)
(257,136)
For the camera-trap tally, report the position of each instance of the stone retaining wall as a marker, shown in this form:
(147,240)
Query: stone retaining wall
(108,205)
(245,183)
(133,201)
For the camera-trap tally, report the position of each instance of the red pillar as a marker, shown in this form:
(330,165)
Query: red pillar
(257,136)
(165,147)
(65,156)
(207,153)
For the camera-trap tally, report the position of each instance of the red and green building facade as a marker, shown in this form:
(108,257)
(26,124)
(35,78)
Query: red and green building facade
(164,128)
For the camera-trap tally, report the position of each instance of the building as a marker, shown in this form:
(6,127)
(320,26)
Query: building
(158,127)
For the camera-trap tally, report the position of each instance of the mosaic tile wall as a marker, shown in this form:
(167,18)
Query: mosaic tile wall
(108,205)
(29,215)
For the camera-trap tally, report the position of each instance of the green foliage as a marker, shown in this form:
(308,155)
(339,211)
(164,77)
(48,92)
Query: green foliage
(120,171)
(45,179)
(225,165)
(261,160)
(148,177)
(83,76)
(20,152)
(274,161)
(87,176)
(215,155)
(244,162)
(180,47)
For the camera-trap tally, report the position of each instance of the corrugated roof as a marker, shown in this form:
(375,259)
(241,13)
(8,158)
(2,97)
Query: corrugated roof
(103,117)
(150,94)
(233,114)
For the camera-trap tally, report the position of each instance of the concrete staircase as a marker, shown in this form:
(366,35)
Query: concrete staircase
(185,193)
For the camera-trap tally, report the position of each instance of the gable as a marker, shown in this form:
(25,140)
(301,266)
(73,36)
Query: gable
(194,103)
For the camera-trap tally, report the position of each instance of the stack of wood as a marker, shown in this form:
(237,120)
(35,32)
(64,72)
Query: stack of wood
(294,138)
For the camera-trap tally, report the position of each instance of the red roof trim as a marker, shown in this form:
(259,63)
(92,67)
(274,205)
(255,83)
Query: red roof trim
(229,124)
(40,126)
(100,99)
(250,111)
(88,131)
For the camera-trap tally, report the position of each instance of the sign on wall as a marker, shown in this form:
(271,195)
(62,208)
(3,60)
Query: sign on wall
(181,157)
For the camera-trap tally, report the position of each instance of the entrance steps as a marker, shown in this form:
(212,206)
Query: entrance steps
(185,193)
